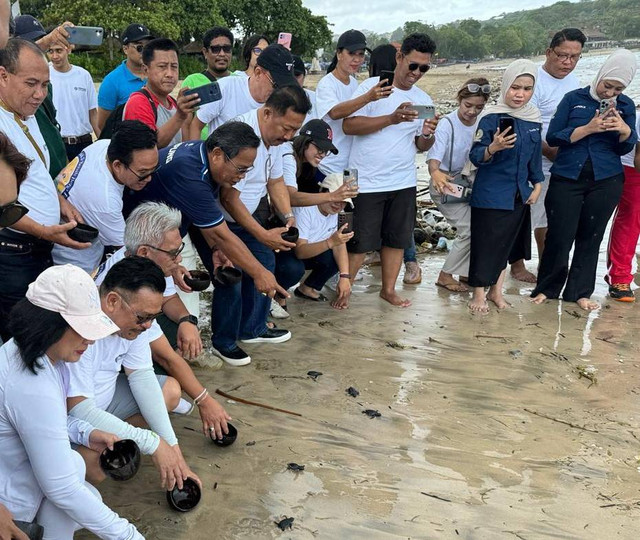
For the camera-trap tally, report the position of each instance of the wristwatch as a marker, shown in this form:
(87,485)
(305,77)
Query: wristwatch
(190,319)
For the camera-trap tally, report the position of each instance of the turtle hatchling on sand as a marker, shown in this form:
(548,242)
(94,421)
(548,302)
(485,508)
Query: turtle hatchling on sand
(284,524)
(314,374)
(371,413)
(352,392)
(295,467)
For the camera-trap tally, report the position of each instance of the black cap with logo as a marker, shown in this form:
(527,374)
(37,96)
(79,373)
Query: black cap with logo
(298,66)
(353,40)
(135,32)
(277,60)
(29,28)
(321,135)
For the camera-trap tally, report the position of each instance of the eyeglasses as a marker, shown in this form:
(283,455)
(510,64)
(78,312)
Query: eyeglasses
(475,88)
(270,79)
(11,212)
(143,176)
(565,57)
(320,151)
(216,49)
(240,170)
(256,51)
(140,319)
(422,67)
(173,253)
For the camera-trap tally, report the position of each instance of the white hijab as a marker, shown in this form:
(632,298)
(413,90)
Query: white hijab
(528,112)
(620,66)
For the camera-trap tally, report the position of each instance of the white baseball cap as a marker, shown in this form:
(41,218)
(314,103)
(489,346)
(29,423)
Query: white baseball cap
(332,182)
(70,291)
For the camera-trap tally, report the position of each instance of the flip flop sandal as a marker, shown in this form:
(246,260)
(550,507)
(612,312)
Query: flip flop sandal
(300,294)
(451,287)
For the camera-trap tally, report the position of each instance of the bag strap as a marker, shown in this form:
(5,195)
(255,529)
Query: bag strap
(25,130)
(147,94)
(452,142)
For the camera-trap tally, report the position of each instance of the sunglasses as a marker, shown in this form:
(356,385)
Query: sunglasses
(143,176)
(11,212)
(475,88)
(173,253)
(139,48)
(422,67)
(216,49)
(321,152)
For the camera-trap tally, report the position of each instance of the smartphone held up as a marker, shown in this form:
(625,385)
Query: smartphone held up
(284,39)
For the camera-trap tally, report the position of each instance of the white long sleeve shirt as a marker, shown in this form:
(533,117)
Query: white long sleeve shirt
(36,459)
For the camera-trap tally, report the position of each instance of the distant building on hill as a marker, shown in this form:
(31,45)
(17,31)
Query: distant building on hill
(597,40)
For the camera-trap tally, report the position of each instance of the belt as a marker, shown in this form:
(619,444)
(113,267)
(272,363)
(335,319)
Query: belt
(79,139)
(13,241)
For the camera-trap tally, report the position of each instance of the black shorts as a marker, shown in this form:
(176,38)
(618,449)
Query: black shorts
(384,219)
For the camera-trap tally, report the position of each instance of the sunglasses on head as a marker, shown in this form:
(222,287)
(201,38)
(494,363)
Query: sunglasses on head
(11,212)
(422,67)
(475,88)
(216,49)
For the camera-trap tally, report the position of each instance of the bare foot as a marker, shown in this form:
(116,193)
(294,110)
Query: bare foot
(312,293)
(522,274)
(394,299)
(587,304)
(478,306)
(539,299)
(498,300)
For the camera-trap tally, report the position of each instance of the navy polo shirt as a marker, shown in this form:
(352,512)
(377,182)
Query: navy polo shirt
(183,181)
(509,171)
(576,109)
(117,86)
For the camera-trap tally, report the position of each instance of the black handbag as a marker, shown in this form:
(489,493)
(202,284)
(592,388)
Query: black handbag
(459,179)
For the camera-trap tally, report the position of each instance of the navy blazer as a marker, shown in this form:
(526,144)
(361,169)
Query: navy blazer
(576,109)
(508,171)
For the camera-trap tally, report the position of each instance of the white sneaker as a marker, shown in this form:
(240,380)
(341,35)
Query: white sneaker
(277,311)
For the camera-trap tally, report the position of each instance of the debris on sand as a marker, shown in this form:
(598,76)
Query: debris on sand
(589,373)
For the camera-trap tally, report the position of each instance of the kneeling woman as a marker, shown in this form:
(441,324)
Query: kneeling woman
(586,179)
(509,161)
(41,477)
(320,248)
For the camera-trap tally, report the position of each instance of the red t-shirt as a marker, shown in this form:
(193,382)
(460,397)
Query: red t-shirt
(139,108)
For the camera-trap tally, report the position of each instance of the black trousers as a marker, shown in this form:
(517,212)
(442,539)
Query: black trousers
(22,259)
(496,235)
(577,213)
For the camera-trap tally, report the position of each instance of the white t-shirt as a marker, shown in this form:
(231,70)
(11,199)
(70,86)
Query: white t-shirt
(74,95)
(627,159)
(329,93)
(38,192)
(462,141)
(289,165)
(313,113)
(385,159)
(267,166)
(236,100)
(88,184)
(548,92)
(313,225)
(94,375)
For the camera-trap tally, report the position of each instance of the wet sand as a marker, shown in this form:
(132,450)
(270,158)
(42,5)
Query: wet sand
(466,447)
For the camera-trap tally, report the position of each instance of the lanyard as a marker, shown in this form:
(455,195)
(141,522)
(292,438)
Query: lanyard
(25,130)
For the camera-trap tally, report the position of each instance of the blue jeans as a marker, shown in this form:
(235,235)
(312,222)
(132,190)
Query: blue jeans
(410,253)
(290,269)
(240,311)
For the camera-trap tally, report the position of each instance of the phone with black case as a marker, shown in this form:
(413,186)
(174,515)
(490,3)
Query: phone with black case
(207,93)
(388,75)
(506,122)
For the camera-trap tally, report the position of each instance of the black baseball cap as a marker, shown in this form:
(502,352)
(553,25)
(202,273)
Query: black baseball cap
(298,66)
(321,135)
(135,32)
(353,40)
(29,28)
(277,60)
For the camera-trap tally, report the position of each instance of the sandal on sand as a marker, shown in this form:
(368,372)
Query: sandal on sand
(321,297)
(453,287)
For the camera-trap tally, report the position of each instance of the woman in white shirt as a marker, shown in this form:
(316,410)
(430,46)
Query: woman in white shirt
(334,92)
(445,162)
(41,477)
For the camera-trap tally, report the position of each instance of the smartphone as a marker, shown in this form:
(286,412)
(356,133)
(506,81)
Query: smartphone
(388,75)
(425,112)
(350,177)
(85,35)
(207,93)
(455,190)
(506,122)
(345,217)
(284,39)
(605,107)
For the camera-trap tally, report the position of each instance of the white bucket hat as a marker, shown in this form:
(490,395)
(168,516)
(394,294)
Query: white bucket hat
(70,291)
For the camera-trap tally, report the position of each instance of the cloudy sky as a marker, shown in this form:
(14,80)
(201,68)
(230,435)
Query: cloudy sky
(386,15)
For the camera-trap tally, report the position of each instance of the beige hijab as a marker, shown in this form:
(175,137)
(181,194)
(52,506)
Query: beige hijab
(528,112)
(620,66)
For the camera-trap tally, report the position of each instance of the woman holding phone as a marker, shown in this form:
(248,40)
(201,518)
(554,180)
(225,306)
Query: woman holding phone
(447,157)
(41,478)
(507,150)
(592,128)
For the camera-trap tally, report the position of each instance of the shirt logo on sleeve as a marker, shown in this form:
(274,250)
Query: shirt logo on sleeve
(479,134)
(67,177)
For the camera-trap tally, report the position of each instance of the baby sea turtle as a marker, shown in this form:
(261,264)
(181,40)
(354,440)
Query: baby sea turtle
(314,374)
(352,392)
(371,413)
(295,467)
(284,524)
